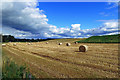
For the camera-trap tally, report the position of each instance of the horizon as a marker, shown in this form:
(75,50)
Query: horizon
(59,19)
(59,38)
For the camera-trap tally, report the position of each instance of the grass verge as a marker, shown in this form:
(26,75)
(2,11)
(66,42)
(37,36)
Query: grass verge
(11,70)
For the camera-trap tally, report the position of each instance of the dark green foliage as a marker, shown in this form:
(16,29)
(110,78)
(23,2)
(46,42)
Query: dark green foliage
(9,38)
(12,70)
(102,39)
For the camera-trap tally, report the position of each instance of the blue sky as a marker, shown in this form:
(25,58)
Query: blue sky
(59,19)
(63,14)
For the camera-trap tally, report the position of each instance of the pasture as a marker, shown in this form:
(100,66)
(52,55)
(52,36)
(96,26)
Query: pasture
(60,61)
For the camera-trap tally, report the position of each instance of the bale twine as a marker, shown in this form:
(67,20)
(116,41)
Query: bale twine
(68,44)
(83,48)
(3,45)
(60,43)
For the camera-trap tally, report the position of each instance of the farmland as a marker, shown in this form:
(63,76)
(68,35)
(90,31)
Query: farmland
(102,39)
(60,61)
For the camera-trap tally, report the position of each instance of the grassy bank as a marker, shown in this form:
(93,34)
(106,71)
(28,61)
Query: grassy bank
(102,39)
(11,70)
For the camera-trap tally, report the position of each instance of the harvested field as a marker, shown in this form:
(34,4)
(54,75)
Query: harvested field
(60,61)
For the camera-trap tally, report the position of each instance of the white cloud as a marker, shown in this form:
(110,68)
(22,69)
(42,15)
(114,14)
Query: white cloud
(111,33)
(17,33)
(104,14)
(112,4)
(79,34)
(112,20)
(75,27)
(19,0)
(25,16)
(111,24)
(24,20)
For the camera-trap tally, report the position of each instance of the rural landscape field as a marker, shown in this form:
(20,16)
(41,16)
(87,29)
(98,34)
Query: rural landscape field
(59,39)
(60,61)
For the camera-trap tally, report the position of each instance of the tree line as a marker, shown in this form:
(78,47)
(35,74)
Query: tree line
(9,38)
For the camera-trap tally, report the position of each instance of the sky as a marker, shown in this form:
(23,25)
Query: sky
(59,19)
(63,14)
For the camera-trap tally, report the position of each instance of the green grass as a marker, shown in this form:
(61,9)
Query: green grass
(11,70)
(102,39)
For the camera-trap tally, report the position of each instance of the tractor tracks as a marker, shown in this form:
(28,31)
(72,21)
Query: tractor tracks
(39,68)
(93,66)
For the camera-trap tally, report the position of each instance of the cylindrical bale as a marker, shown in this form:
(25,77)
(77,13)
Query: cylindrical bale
(68,44)
(3,45)
(46,42)
(83,48)
(14,44)
(29,43)
(60,43)
(76,42)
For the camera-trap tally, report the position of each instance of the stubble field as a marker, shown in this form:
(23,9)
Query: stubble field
(60,61)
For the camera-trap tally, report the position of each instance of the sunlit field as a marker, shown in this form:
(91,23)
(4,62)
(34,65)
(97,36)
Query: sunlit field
(60,61)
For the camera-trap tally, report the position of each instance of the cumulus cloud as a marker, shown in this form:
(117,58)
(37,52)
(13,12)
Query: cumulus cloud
(113,4)
(75,27)
(112,20)
(24,20)
(17,33)
(18,0)
(107,28)
(24,16)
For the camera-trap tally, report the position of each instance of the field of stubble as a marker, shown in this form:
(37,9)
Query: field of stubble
(60,61)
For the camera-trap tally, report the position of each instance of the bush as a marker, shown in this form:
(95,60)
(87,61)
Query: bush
(12,70)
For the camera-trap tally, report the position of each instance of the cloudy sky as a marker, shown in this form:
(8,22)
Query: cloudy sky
(59,19)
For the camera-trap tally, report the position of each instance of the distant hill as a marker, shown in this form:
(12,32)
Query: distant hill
(102,39)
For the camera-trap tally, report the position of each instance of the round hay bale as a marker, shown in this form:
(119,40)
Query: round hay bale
(83,48)
(14,44)
(76,42)
(46,42)
(60,43)
(29,43)
(68,44)
(3,45)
